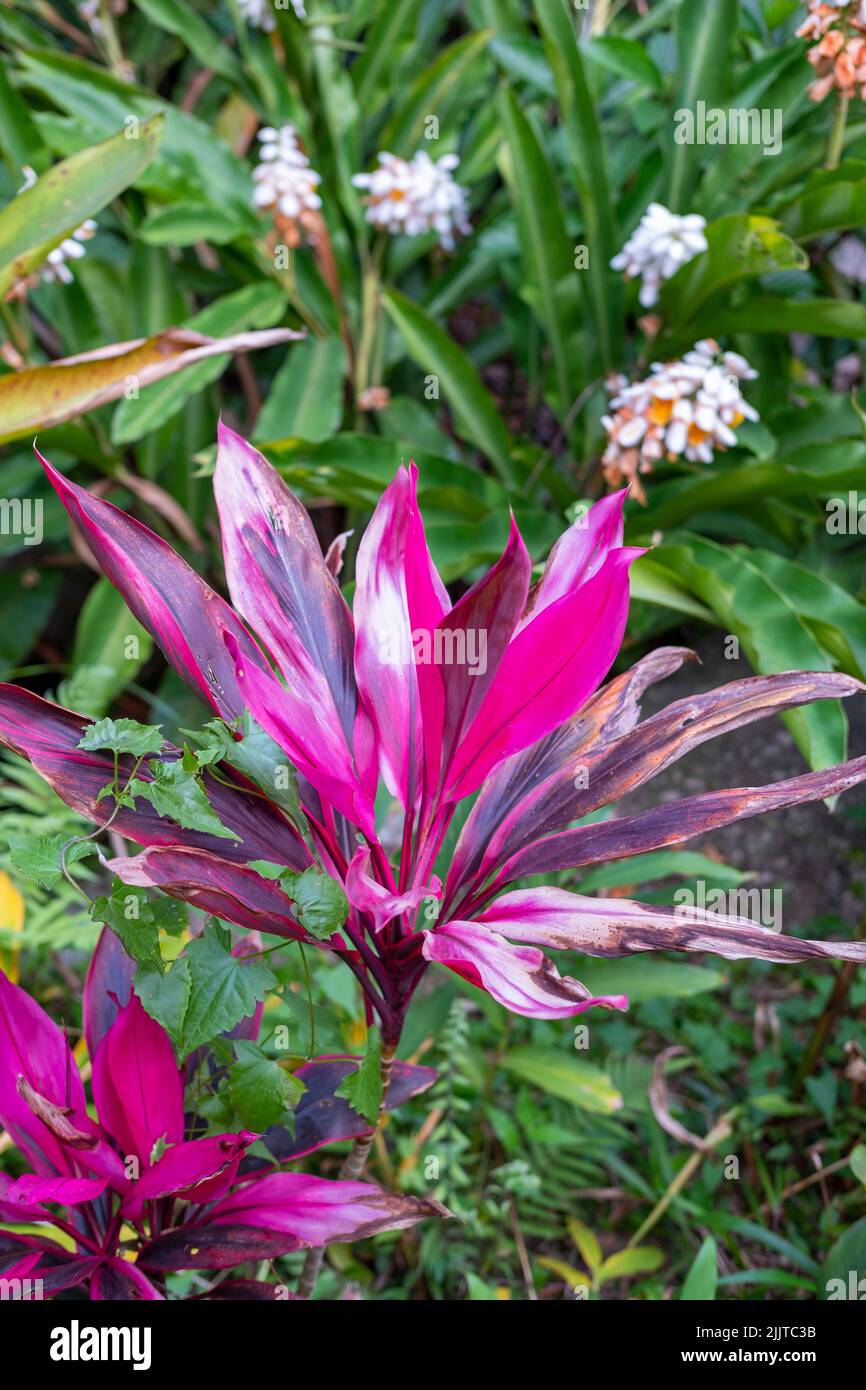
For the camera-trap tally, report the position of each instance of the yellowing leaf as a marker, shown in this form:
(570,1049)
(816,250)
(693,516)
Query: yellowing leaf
(637,1259)
(39,397)
(574,1278)
(586,1243)
(11,919)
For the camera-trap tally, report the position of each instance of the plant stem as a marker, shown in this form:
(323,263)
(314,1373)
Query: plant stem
(838,998)
(352,1167)
(720,1131)
(837,133)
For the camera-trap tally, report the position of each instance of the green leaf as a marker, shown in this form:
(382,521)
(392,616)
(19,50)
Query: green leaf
(363,1088)
(38,219)
(38,856)
(306,396)
(739,247)
(771,629)
(650,581)
(826,318)
(110,648)
(260,1090)
(431,91)
(649,979)
(636,1259)
(224,989)
(550,278)
(845,1265)
(202,41)
(165,996)
(573,1080)
(701,1280)
(125,912)
(321,904)
(476,416)
(587,1244)
(122,736)
(834,616)
(257,756)
(178,794)
(589,158)
(705,38)
(185,224)
(830,203)
(626,58)
(858,1162)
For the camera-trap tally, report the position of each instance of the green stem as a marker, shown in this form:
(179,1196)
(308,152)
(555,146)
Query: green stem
(837,133)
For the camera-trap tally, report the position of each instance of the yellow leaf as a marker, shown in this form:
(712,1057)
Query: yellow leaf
(39,397)
(11,919)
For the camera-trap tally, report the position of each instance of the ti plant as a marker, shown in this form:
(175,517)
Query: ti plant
(386,722)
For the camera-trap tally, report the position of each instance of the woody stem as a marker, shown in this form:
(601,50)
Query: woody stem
(352,1166)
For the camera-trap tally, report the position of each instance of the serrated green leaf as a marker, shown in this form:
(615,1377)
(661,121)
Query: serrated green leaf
(224,989)
(260,1089)
(321,904)
(363,1088)
(122,736)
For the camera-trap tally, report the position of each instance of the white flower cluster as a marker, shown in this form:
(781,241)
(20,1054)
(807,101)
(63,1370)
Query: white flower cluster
(260,13)
(685,408)
(415,196)
(284,179)
(56,270)
(659,245)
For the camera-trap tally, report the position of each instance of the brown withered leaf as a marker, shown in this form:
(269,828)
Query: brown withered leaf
(39,397)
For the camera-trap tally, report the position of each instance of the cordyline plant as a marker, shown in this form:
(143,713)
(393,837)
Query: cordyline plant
(139,1197)
(391,694)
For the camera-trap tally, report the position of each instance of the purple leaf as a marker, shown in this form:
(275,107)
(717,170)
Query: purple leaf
(676,821)
(323,1118)
(48,736)
(188,619)
(137,1084)
(617,927)
(232,891)
(214,1247)
(106,989)
(519,977)
(611,711)
(598,776)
